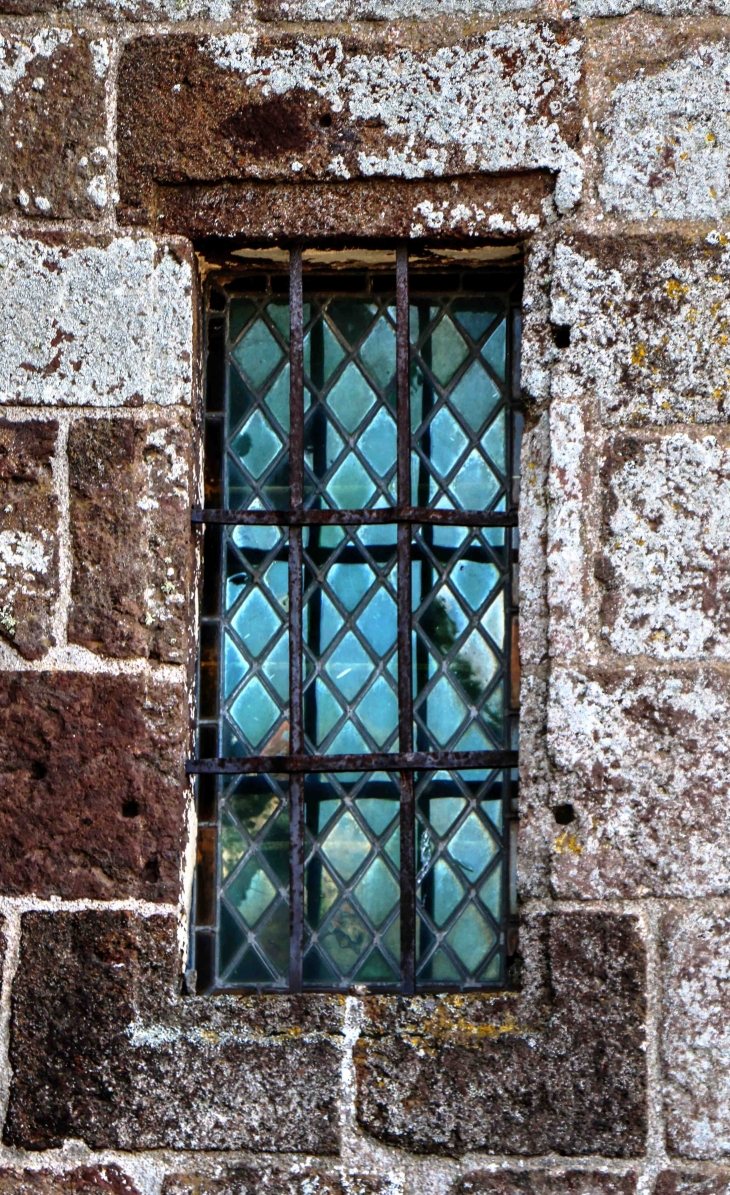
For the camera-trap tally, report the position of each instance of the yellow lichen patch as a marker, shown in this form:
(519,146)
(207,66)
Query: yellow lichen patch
(567,842)
(676,289)
(638,354)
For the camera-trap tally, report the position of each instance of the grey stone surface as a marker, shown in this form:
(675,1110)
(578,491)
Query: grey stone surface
(84,1180)
(696,1038)
(102,323)
(642,756)
(539,1182)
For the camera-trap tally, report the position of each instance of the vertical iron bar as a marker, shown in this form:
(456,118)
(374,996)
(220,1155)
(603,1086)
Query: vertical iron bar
(296,736)
(405,680)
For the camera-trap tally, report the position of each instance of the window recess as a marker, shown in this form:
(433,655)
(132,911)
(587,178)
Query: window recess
(358,688)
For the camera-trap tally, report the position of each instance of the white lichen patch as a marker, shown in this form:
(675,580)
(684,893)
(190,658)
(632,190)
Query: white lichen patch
(494,106)
(669,546)
(649,328)
(664,8)
(25,563)
(393,10)
(643,759)
(105,325)
(668,140)
(17,54)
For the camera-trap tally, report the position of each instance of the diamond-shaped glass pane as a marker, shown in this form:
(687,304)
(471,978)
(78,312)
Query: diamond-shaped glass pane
(257,353)
(460,859)
(350,631)
(459,647)
(352,891)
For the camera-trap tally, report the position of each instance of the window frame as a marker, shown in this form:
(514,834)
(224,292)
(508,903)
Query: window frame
(402,514)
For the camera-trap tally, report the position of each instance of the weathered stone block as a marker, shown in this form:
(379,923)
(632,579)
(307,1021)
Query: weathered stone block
(649,326)
(132,555)
(270,1179)
(642,758)
(384,10)
(104,1048)
(92,785)
(696,1035)
(103,323)
(662,132)
(85,1180)
(53,141)
(28,547)
(539,1182)
(559,1068)
(133,10)
(203,110)
(665,8)
(665,558)
(680,1182)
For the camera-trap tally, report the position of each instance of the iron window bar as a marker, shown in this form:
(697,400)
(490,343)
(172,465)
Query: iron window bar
(408,761)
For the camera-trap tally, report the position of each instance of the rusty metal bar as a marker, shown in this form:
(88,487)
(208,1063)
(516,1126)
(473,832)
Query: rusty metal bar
(405,668)
(343,518)
(396,761)
(296,729)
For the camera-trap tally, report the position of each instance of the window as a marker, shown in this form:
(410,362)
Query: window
(358,683)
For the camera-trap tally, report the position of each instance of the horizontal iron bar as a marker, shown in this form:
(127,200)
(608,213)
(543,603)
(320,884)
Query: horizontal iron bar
(411,761)
(341,518)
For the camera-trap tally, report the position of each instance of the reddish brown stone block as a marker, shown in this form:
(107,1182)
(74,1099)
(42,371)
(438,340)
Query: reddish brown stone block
(28,547)
(132,550)
(200,111)
(558,1068)
(538,1182)
(104,1049)
(86,1180)
(92,786)
(53,150)
(679,1182)
(272,1179)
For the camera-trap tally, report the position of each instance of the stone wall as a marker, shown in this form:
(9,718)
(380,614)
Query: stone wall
(594,135)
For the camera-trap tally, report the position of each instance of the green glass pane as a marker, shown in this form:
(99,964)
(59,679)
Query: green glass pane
(392,847)
(391,939)
(378,353)
(238,489)
(259,538)
(254,711)
(377,811)
(276,578)
(251,892)
(475,316)
(350,582)
(379,622)
(475,485)
(446,711)
(275,667)
(329,711)
(257,354)
(494,810)
(234,666)
(275,848)
(448,351)
(316,972)
(474,739)
(376,969)
(231,937)
(440,969)
(349,666)
(495,441)
(346,846)
(472,847)
(491,892)
(495,350)
(441,891)
(345,937)
(378,711)
(351,317)
(447,442)
(474,667)
(493,620)
(471,938)
(492,973)
(322,353)
(443,812)
(378,443)
(320,892)
(255,622)
(253,809)
(233,847)
(250,969)
(475,580)
(257,444)
(278,313)
(475,396)
(239,313)
(239,397)
(350,488)
(330,621)
(273,938)
(377,892)
(277,399)
(351,398)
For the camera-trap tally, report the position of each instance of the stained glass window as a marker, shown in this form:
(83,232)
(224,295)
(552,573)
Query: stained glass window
(358,691)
